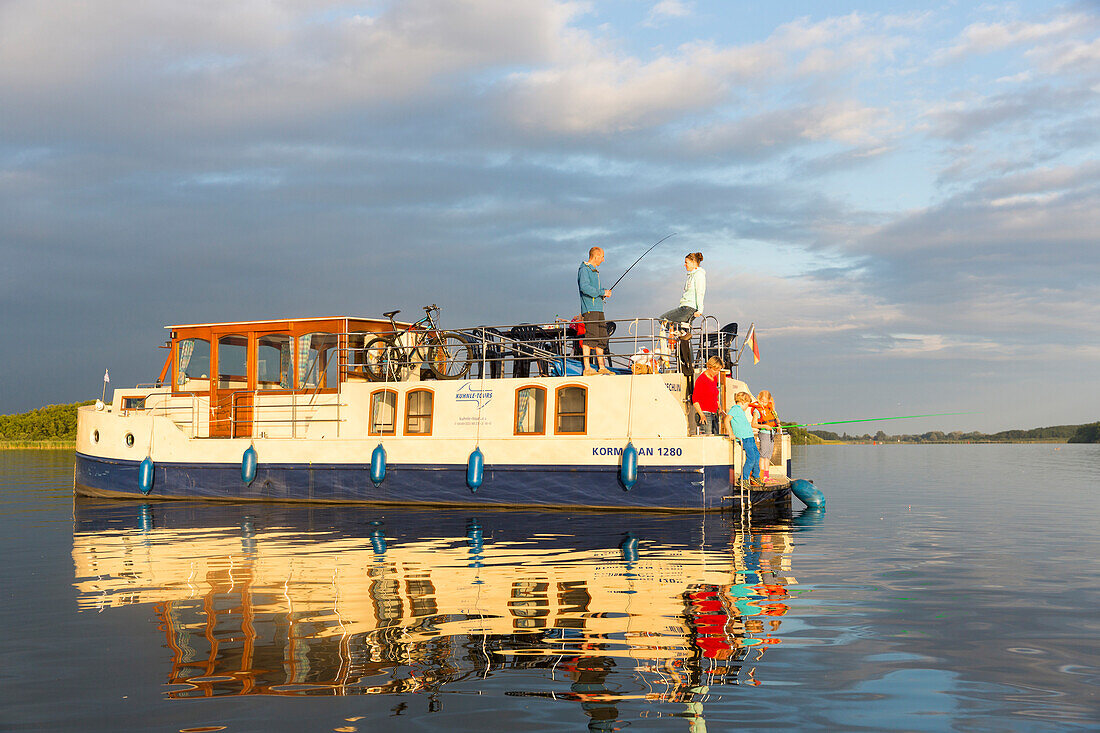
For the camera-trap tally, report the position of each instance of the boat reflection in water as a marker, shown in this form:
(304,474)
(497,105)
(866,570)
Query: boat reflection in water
(339,600)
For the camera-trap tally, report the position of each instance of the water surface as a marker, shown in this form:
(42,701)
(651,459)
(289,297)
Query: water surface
(945,588)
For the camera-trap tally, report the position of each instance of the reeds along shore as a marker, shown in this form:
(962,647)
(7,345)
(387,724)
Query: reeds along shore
(63,444)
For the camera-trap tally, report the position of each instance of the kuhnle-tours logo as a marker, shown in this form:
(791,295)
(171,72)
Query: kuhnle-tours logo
(467,393)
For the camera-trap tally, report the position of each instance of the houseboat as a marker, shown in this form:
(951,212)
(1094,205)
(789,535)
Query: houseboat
(383,411)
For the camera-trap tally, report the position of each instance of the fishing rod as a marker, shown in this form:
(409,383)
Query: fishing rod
(876,419)
(639,260)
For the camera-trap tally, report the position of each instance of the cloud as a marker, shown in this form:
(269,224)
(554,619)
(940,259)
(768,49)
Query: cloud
(600,91)
(963,119)
(774,131)
(984,38)
(603,95)
(1068,56)
(213,65)
(666,9)
(991,262)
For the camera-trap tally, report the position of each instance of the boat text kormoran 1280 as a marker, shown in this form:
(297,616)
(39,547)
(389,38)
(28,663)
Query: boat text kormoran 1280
(371,410)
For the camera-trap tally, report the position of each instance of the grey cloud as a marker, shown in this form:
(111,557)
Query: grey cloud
(965,121)
(210,68)
(1011,252)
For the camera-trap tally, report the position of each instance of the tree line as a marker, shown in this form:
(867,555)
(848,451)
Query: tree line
(1088,433)
(53,422)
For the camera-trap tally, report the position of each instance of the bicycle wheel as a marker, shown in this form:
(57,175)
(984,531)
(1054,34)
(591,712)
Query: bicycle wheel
(449,355)
(379,357)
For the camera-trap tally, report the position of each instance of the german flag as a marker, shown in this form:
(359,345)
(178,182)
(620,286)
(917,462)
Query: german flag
(751,341)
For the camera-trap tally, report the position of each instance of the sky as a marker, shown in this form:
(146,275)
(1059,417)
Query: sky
(903,197)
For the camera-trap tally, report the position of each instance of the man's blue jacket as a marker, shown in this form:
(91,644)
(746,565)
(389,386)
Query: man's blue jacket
(588,281)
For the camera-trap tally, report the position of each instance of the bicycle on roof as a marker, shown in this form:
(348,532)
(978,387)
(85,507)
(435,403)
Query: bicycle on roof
(393,356)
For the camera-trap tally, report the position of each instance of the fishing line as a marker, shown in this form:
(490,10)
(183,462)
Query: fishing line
(640,259)
(876,419)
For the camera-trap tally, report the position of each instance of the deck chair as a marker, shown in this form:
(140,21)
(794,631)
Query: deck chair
(721,344)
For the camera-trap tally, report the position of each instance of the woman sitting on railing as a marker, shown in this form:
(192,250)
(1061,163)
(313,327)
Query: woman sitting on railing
(691,302)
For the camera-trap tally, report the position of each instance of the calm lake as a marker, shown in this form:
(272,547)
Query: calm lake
(950,587)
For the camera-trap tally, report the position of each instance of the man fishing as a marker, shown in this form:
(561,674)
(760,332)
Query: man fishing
(595,327)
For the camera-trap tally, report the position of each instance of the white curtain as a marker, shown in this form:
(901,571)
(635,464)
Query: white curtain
(284,364)
(305,361)
(187,348)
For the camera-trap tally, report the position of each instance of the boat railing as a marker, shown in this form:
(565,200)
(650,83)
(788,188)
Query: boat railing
(554,348)
(249,417)
(184,414)
(266,413)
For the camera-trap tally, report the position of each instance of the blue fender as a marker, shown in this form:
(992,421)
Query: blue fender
(628,471)
(145,475)
(248,465)
(378,465)
(475,469)
(809,494)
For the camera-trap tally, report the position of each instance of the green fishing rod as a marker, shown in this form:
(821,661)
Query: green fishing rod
(875,419)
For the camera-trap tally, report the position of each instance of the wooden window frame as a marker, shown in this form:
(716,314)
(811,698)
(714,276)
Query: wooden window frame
(431,415)
(177,390)
(370,413)
(293,371)
(515,410)
(557,408)
(216,361)
(338,351)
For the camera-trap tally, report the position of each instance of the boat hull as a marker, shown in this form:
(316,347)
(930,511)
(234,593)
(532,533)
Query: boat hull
(660,488)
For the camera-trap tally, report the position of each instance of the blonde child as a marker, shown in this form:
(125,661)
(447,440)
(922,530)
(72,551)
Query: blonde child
(768,422)
(740,427)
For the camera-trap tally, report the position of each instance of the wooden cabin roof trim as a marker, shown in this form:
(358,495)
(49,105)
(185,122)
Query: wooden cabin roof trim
(283,320)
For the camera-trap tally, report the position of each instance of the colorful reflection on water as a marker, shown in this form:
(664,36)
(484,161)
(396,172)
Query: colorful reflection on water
(270,600)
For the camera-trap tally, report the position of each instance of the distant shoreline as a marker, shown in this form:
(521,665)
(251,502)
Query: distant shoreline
(1054,441)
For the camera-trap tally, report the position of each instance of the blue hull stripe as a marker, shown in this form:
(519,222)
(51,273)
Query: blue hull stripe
(668,488)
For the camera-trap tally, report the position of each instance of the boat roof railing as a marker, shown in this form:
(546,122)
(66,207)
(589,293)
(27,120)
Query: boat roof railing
(554,348)
(275,321)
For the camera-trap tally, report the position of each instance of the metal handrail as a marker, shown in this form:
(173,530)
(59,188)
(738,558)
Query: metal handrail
(550,347)
(165,407)
(495,345)
(293,405)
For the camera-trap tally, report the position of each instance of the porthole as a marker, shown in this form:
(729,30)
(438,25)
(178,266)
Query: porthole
(95,437)
(129,440)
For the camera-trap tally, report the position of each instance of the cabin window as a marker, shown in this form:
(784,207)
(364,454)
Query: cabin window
(133,403)
(383,409)
(192,363)
(233,361)
(530,411)
(273,361)
(571,410)
(317,361)
(418,412)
